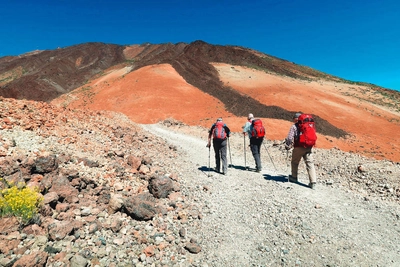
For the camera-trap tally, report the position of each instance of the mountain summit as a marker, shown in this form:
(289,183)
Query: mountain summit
(197,82)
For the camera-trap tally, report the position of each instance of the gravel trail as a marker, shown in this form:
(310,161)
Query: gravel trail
(259,219)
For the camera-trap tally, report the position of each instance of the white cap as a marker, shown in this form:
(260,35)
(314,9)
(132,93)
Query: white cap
(297,115)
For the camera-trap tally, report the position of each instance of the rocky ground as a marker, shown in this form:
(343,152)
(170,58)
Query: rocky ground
(111,191)
(121,194)
(253,219)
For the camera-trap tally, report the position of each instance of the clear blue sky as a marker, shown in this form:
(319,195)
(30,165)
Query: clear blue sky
(353,39)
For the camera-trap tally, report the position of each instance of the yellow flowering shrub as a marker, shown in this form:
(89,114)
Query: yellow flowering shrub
(20,201)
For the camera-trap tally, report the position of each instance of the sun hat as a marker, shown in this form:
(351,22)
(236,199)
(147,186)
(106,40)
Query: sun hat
(219,119)
(250,116)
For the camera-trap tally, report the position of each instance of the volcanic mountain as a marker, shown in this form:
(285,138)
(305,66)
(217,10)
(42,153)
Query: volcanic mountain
(196,83)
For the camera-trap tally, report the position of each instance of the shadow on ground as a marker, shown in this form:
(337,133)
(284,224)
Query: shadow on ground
(282,179)
(237,167)
(278,177)
(208,170)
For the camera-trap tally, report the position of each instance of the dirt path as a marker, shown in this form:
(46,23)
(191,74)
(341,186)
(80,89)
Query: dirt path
(259,219)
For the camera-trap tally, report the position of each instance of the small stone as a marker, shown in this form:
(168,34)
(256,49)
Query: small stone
(193,248)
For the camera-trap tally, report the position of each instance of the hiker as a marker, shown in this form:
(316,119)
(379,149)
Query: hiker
(256,139)
(300,151)
(219,133)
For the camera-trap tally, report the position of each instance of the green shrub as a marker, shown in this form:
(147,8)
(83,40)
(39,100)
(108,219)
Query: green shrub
(20,201)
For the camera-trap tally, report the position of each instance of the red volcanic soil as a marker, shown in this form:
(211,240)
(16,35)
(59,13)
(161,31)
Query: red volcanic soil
(375,129)
(147,95)
(158,92)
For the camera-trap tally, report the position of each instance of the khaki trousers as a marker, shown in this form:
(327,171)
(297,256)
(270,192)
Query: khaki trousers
(306,154)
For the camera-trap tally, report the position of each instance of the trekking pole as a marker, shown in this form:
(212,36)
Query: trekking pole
(287,147)
(287,155)
(209,156)
(244,148)
(287,165)
(230,155)
(270,157)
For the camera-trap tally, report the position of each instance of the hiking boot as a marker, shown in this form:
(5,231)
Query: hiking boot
(293,179)
(258,170)
(312,185)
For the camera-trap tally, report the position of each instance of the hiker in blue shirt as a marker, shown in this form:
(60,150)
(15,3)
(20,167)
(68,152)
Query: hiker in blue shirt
(255,142)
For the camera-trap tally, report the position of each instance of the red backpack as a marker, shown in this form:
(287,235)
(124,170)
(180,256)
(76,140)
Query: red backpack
(219,131)
(307,132)
(257,129)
